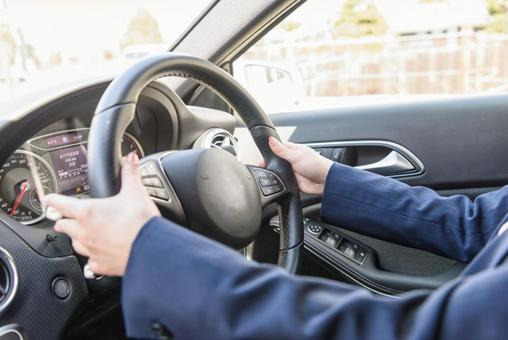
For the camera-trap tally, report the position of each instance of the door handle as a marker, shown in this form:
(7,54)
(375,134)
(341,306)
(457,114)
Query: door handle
(393,164)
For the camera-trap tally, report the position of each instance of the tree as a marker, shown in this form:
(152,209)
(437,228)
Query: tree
(143,29)
(498,10)
(359,18)
(7,45)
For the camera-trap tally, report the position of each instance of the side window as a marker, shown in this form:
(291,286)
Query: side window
(331,53)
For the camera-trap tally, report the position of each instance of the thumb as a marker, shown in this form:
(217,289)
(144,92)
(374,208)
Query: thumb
(281,150)
(131,175)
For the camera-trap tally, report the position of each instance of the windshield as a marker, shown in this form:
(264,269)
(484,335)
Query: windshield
(51,41)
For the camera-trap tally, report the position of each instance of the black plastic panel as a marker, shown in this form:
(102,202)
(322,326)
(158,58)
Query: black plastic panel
(461,141)
(35,308)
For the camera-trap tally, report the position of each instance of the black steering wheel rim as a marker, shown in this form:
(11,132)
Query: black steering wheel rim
(116,110)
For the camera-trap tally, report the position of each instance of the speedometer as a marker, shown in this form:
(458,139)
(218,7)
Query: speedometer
(23,177)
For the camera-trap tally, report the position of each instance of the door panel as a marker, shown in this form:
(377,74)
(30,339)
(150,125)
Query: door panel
(455,145)
(461,142)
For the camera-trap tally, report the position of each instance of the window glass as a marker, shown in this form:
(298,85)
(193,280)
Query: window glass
(43,43)
(331,53)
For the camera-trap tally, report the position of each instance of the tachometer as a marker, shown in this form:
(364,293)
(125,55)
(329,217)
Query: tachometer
(22,178)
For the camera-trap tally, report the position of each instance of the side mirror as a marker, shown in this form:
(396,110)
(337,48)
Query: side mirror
(275,87)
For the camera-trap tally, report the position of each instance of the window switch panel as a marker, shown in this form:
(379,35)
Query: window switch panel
(330,238)
(352,251)
(341,243)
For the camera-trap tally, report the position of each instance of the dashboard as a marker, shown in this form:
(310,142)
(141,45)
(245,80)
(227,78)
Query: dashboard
(51,152)
(49,163)
(54,159)
(44,149)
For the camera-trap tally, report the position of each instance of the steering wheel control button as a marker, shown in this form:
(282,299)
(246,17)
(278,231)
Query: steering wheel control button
(273,180)
(153,182)
(61,288)
(314,228)
(268,182)
(265,182)
(152,192)
(148,170)
(162,194)
(267,191)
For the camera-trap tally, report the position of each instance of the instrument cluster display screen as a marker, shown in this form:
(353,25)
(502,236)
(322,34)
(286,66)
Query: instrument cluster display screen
(51,163)
(67,138)
(69,156)
(71,167)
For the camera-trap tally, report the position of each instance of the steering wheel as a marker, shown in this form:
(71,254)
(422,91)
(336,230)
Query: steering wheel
(208,190)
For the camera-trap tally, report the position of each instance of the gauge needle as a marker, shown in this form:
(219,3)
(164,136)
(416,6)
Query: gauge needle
(24,188)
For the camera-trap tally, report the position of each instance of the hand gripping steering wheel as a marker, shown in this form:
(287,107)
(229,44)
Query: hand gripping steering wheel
(210,189)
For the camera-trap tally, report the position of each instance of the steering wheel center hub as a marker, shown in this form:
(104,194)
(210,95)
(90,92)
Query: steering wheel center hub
(218,194)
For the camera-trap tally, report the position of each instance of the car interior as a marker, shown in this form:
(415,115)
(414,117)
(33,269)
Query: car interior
(454,145)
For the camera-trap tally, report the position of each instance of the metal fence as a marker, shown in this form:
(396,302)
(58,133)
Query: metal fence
(457,62)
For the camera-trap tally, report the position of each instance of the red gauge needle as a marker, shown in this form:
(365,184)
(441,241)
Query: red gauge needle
(24,188)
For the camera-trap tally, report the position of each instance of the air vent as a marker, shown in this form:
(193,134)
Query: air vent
(8,280)
(217,138)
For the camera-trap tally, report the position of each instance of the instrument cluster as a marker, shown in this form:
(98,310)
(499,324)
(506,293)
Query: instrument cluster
(51,163)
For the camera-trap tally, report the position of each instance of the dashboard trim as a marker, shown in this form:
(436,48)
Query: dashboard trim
(30,141)
(9,261)
(32,145)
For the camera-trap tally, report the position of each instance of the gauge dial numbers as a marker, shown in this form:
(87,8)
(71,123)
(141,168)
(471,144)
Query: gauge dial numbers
(22,178)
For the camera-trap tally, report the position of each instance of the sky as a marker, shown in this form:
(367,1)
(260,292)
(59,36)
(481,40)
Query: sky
(86,27)
(79,26)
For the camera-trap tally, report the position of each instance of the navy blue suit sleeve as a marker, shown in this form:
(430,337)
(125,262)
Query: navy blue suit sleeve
(198,289)
(417,217)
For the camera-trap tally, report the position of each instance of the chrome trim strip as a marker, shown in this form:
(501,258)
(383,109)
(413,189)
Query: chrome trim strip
(248,251)
(9,261)
(419,167)
(5,330)
(204,141)
(393,163)
(361,284)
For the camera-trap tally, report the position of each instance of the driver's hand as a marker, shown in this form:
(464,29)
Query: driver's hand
(104,229)
(309,167)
